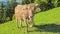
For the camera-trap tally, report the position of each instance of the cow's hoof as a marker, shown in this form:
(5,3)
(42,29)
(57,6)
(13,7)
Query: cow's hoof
(21,27)
(31,26)
(27,31)
(18,27)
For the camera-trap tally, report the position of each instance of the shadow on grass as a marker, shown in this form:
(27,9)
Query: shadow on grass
(48,28)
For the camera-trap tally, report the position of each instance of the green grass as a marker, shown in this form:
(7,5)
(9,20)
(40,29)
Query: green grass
(45,24)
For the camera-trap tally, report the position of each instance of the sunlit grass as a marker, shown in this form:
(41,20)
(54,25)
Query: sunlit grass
(42,18)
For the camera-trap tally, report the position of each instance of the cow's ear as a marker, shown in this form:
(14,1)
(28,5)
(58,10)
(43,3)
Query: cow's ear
(36,4)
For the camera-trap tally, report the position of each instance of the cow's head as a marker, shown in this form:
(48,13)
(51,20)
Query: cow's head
(36,9)
(33,8)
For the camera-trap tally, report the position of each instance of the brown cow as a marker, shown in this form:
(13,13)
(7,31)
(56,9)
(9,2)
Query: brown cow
(25,13)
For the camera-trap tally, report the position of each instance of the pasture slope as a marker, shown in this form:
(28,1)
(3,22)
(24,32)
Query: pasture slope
(46,22)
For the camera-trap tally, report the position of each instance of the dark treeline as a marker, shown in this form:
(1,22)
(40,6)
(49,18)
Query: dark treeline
(6,13)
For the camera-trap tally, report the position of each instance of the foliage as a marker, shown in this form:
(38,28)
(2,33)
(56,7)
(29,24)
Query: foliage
(2,13)
(47,4)
(7,12)
(55,3)
(58,3)
(13,17)
(10,8)
(27,1)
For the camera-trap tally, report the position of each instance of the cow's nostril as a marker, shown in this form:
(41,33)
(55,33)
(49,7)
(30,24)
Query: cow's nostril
(30,16)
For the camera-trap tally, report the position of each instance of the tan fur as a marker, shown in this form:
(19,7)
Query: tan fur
(25,13)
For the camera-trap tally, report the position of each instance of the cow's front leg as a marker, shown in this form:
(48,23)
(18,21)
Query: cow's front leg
(32,22)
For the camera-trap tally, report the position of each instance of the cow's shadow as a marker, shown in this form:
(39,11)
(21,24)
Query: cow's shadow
(48,28)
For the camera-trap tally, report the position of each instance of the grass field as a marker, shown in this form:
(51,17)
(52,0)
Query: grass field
(46,22)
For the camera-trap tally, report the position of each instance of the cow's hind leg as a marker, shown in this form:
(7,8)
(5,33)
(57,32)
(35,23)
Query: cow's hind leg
(17,23)
(25,20)
(20,23)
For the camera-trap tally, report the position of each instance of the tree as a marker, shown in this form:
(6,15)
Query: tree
(2,13)
(55,3)
(46,4)
(26,1)
(10,8)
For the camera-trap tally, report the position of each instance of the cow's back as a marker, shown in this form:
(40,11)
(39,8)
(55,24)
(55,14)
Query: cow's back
(21,11)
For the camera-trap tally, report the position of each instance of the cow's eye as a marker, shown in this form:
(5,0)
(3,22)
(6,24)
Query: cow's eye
(23,9)
(26,8)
